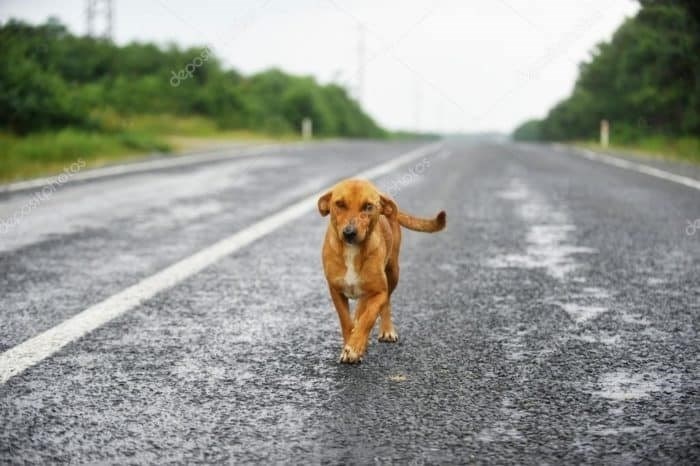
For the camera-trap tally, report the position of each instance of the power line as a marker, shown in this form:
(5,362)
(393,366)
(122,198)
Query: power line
(99,11)
(360,63)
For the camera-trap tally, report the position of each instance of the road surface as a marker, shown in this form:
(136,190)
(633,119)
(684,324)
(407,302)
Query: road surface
(555,320)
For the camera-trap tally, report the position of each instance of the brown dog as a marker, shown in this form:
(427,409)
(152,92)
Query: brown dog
(361,258)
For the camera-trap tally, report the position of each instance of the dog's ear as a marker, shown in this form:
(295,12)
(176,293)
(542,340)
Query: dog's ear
(324,204)
(389,207)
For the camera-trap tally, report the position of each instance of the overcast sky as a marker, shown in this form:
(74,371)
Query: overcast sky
(453,65)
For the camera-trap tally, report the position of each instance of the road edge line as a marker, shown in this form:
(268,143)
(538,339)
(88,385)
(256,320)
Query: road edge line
(638,167)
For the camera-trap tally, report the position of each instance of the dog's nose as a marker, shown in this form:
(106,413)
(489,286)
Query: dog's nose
(349,233)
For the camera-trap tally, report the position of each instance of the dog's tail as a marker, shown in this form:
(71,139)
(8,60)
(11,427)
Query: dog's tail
(427,225)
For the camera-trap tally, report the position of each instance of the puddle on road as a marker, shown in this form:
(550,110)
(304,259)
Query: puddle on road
(452,269)
(626,386)
(604,431)
(178,213)
(499,433)
(550,247)
(580,313)
(503,430)
(602,337)
(548,238)
(634,319)
(595,292)
(653,281)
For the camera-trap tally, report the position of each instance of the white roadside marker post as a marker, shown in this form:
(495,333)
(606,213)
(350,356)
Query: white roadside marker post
(306,129)
(604,133)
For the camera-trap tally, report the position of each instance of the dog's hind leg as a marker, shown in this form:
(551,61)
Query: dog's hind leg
(387,332)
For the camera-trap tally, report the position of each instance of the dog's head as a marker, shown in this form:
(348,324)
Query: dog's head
(355,207)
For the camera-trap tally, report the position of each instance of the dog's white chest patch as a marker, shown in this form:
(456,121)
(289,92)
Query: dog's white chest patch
(351,281)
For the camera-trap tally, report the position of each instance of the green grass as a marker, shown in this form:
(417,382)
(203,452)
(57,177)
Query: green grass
(50,152)
(118,138)
(685,148)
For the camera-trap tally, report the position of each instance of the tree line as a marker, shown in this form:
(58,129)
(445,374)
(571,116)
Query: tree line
(52,79)
(645,81)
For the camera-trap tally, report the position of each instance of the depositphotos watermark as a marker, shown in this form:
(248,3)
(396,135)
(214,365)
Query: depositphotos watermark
(401,181)
(692,227)
(41,196)
(189,69)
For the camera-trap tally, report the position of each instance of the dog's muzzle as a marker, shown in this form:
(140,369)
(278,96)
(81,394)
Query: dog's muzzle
(349,234)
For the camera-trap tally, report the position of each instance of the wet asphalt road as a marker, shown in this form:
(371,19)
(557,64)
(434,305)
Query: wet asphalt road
(556,320)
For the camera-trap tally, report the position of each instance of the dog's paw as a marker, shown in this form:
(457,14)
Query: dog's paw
(388,336)
(350,356)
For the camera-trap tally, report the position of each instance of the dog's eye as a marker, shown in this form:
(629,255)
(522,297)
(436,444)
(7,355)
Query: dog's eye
(368,207)
(341,205)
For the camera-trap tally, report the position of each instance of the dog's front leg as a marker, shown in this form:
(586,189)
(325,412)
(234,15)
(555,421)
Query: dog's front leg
(368,308)
(340,301)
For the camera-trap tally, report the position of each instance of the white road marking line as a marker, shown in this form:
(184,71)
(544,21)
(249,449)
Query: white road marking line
(638,167)
(148,165)
(32,351)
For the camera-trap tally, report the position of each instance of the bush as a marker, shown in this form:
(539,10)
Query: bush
(56,80)
(645,81)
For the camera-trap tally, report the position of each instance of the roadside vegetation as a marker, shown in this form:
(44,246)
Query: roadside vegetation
(64,97)
(645,82)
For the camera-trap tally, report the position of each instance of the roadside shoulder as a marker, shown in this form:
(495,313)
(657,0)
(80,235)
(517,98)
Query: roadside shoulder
(152,162)
(675,167)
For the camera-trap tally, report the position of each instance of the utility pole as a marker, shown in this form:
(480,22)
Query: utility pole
(99,9)
(360,63)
